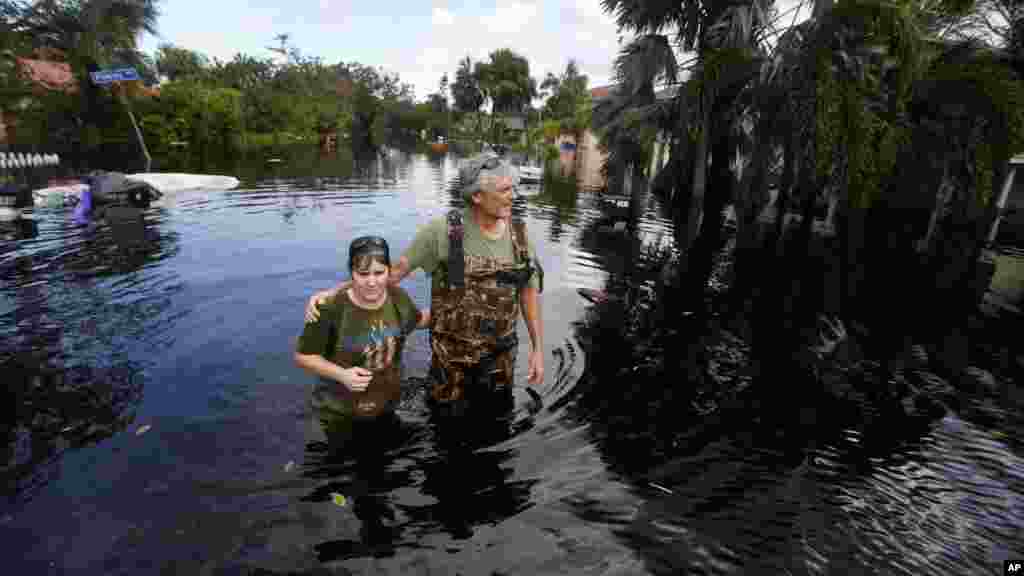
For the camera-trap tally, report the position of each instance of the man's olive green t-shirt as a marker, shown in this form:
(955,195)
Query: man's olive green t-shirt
(352,336)
(429,249)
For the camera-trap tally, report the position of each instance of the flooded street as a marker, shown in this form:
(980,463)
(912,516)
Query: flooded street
(158,425)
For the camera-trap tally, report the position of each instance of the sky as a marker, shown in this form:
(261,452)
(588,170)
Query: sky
(418,39)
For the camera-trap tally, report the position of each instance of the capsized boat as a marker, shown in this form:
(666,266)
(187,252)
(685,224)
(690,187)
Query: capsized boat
(173,182)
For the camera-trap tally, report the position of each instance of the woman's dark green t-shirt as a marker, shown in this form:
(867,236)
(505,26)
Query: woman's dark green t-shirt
(373,339)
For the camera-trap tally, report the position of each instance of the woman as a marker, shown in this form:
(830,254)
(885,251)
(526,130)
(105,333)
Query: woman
(356,343)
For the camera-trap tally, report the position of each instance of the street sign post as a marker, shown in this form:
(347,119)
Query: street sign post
(105,77)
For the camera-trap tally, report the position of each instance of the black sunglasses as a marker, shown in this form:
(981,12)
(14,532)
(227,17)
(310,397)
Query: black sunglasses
(368,242)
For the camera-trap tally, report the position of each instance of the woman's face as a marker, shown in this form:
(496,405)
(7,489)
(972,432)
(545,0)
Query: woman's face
(370,281)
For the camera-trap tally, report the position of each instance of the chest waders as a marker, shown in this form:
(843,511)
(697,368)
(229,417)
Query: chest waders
(473,316)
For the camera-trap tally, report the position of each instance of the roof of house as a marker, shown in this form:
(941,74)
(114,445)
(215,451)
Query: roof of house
(49,74)
(601,92)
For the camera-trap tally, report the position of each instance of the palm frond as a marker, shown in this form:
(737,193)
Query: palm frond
(645,62)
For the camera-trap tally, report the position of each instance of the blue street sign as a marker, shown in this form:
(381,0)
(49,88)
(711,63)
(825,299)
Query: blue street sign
(102,77)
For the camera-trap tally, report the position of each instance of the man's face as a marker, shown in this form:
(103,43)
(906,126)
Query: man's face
(495,196)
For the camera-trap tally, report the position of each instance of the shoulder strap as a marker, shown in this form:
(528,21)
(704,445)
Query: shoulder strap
(520,247)
(456,255)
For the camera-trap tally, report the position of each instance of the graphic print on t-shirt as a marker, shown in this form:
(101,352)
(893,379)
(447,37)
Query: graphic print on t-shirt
(377,346)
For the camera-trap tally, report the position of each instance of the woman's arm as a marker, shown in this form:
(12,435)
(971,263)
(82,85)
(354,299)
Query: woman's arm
(355,379)
(319,365)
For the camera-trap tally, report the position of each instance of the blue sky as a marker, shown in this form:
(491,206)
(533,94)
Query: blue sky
(418,39)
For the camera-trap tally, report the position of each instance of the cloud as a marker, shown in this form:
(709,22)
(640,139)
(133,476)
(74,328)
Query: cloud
(547,34)
(442,17)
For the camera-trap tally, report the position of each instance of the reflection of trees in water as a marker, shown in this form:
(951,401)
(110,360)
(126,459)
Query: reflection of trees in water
(18,229)
(561,195)
(67,381)
(55,409)
(670,402)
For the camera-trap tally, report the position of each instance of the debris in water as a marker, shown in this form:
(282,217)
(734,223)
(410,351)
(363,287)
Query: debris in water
(142,429)
(288,467)
(338,499)
(660,487)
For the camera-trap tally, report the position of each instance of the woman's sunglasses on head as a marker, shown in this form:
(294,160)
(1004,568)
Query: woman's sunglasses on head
(364,242)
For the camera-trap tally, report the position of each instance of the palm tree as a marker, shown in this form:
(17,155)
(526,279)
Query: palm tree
(466,92)
(727,40)
(507,83)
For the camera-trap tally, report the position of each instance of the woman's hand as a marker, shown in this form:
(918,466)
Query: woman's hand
(356,379)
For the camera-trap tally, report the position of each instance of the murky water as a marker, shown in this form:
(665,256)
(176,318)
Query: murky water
(158,425)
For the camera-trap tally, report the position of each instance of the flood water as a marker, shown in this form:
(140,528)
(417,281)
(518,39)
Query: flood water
(157,423)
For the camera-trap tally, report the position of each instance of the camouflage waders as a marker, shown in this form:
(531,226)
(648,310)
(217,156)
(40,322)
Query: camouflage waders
(473,319)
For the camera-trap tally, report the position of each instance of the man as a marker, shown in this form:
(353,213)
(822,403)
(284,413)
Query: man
(484,270)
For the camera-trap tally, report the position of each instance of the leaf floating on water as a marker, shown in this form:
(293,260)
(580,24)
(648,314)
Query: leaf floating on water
(338,499)
(142,429)
(659,487)
(288,467)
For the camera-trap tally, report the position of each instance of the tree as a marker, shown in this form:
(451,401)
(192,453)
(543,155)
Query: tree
(466,92)
(567,92)
(510,87)
(174,62)
(92,31)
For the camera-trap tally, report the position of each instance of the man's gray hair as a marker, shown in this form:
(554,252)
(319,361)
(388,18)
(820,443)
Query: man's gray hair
(475,170)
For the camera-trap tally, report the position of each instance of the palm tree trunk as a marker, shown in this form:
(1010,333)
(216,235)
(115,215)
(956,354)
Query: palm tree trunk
(709,240)
(700,166)
(749,200)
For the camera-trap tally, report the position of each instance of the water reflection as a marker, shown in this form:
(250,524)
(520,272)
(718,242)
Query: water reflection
(821,483)
(79,299)
(17,229)
(558,202)
(52,409)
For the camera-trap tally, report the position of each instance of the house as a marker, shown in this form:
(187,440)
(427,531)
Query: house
(47,75)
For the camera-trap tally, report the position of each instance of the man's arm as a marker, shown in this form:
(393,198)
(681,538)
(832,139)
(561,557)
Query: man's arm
(399,270)
(529,300)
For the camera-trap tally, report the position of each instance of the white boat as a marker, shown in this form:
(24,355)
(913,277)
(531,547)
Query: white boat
(172,182)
